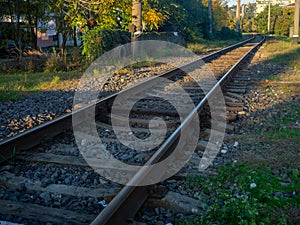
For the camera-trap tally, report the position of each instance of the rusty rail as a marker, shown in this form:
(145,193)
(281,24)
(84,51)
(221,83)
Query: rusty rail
(36,135)
(130,198)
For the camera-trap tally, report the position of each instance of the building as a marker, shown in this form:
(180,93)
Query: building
(262,4)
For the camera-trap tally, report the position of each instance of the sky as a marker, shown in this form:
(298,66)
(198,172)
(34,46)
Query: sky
(233,2)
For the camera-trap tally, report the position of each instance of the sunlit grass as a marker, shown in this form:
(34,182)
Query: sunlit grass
(282,51)
(14,86)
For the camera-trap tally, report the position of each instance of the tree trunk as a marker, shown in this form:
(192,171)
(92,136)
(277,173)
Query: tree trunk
(75,37)
(14,32)
(35,31)
(30,22)
(65,38)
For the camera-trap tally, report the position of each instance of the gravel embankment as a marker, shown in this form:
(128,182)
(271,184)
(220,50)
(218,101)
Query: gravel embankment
(19,116)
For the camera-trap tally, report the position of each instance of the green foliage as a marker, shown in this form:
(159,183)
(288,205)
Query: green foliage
(25,65)
(248,21)
(281,20)
(189,18)
(164,36)
(284,21)
(230,199)
(30,11)
(55,80)
(98,41)
(226,34)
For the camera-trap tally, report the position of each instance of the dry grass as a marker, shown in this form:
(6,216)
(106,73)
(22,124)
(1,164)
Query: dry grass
(290,75)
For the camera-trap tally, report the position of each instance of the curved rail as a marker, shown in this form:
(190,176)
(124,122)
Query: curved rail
(130,198)
(36,135)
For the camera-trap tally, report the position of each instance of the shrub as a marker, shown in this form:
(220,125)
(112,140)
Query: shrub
(97,41)
(55,63)
(226,34)
(75,60)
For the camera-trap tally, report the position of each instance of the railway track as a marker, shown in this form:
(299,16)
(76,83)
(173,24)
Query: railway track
(46,179)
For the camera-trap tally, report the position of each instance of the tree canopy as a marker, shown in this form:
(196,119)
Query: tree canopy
(190,18)
(281,20)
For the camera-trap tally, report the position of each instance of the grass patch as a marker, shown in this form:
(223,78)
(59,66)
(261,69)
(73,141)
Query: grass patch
(286,76)
(289,89)
(246,194)
(292,116)
(15,86)
(277,142)
(281,51)
(206,45)
(284,133)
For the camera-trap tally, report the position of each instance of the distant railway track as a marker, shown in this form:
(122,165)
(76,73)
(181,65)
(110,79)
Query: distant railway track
(48,180)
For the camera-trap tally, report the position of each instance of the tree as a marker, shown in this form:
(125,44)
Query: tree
(23,15)
(34,13)
(220,14)
(248,24)
(187,17)
(284,21)
(281,20)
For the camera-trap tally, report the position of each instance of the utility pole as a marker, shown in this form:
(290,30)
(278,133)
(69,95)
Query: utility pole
(137,14)
(243,16)
(269,16)
(210,17)
(296,22)
(136,27)
(238,16)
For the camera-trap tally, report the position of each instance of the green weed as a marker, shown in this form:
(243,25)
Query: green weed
(55,80)
(230,199)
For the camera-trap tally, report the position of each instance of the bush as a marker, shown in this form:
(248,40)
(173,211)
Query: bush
(55,63)
(75,60)
(97,41)
(227,34)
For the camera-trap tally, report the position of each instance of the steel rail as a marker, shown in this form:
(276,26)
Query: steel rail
(36,135)
(126,203)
